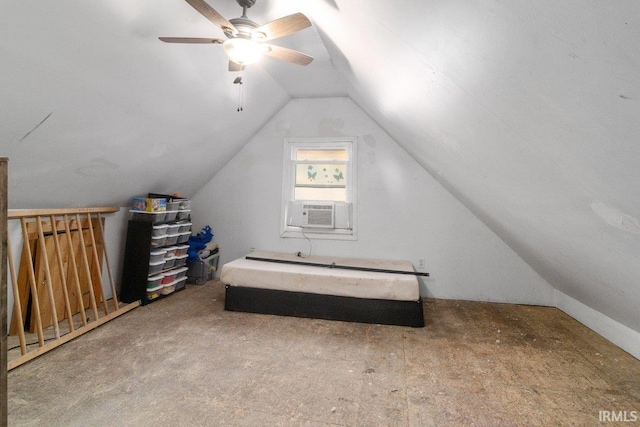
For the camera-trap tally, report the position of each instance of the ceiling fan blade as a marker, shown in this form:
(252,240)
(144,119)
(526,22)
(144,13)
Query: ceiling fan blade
(282,27)
(235,67)
(212,15)
(190,40)
(289,55)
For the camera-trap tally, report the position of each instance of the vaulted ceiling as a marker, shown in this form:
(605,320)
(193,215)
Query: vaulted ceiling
(526,111)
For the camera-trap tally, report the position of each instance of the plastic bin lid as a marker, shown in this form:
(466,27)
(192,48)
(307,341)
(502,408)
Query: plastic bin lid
(182,247)
(157,288)
(158,252)
(184,232)
(160,226)
(158,277)
(182,256)
(159,237)
(156,263)
(182,279)
(149,213)
(180,270)
(173,235)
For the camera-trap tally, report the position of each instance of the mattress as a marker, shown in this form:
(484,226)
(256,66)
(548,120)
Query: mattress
(323,280)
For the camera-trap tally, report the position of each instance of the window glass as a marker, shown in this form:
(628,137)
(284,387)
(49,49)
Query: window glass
(321,174)
(319,155)
(321,194)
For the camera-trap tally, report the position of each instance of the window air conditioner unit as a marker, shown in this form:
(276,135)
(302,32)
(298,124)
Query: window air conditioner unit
(319,215)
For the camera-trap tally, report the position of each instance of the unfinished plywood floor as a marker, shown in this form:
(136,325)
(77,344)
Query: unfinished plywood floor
(184,361)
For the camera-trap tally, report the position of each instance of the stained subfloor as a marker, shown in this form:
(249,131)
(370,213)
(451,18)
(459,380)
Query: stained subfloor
(184,361)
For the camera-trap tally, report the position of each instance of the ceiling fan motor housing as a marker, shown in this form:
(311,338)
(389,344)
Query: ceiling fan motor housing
(246,3)
(245,27)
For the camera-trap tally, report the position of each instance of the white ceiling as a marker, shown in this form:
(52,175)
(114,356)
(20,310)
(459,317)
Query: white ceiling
(526,111)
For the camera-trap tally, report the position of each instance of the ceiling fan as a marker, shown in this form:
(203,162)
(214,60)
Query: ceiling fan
(247,41)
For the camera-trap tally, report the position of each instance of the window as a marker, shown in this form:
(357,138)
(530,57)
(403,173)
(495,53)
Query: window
(320,171)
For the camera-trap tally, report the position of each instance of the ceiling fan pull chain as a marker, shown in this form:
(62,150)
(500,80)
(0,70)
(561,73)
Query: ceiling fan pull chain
(238,81)
(240,97)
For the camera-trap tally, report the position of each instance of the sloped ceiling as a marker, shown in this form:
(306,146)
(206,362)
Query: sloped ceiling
(526,111)
(95,108)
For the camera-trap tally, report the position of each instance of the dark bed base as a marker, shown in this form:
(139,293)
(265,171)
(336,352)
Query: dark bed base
(330,307)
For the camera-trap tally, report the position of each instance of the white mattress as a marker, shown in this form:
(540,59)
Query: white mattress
(323,280)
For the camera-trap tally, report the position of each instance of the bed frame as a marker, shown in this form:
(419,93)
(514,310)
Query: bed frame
(255,285)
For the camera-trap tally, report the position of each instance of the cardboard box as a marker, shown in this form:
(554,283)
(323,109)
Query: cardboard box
(148,204)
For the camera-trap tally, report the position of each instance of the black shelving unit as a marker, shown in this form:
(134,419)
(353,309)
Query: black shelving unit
(136,262)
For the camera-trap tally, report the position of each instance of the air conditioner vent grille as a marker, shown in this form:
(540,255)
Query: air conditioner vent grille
(318,207)
(320,215)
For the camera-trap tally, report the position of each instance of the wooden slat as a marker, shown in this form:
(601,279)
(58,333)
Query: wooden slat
(17,307)
(32,282)
(94,248)
(49,280)
(106,259)
(63,276)
(74,270)
(23,285)
(87,269)
(25,213)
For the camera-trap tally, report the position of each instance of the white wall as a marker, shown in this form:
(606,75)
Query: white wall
(403,212)
(619,334)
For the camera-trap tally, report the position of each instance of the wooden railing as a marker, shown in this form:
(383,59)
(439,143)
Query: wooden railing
(58,289)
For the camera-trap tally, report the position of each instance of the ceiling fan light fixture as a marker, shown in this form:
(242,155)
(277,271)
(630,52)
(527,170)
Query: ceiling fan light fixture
(258,35)
(242,51)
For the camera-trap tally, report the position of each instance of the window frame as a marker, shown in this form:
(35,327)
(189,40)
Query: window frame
(288,186)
